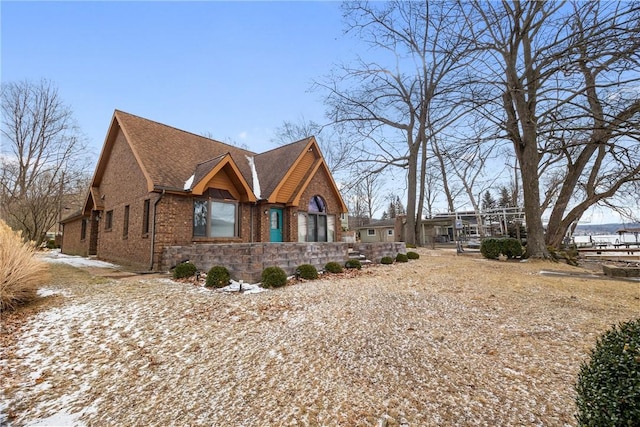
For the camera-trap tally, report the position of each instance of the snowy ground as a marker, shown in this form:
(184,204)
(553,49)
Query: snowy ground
(443,340)
(56,256)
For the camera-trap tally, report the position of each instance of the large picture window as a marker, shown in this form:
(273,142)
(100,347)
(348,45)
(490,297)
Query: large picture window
(215,218)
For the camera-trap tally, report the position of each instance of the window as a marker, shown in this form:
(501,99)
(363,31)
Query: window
(302,227)
(83,229)
(215,218)
(108,221)
(125,223)
(371,232)
(390,232)
(319,227)
(145,217)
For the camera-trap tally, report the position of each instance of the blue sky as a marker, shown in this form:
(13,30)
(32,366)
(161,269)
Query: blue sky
(234,69)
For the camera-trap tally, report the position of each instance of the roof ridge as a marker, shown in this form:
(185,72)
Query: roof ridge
(185,131)
(286,145)
(215,158)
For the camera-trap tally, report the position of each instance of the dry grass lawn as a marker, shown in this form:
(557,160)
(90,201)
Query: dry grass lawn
(443,340)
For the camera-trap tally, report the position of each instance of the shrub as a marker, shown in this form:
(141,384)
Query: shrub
(273,277)
(218,277)
(413,255)
(353,263)
(333,267)
(511,248)
(307,271)
(386,260)
(402,258)
(490,248)
(184,270)
(20,271)
(410,245)
(608,386)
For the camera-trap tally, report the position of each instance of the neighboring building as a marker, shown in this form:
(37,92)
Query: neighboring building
(156,186)
(385,230)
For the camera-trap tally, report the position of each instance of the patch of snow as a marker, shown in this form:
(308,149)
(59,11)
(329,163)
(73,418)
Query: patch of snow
(73,260)
(188,183)
(45,292)
(254,174)
(246,288)
(61,418)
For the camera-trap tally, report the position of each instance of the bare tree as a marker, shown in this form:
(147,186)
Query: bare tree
(559,81)
(364,194)
(398,103)
(596,135)
(42,154)
(337,150)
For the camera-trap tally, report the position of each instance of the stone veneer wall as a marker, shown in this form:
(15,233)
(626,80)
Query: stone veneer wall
(245,261)
(374,251)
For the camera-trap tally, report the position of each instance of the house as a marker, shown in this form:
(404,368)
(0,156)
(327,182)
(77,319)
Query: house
(384,230)
(157,188)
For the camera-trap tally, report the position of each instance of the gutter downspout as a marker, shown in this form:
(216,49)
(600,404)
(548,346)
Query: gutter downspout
(153,228)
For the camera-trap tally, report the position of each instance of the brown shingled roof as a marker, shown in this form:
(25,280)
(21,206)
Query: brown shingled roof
(273,165)
(169,155)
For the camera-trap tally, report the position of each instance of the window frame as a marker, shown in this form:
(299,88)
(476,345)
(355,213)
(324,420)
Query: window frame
(108,220)
(146,212)
(125,222)
(371,231)
(209,203)
(83,229)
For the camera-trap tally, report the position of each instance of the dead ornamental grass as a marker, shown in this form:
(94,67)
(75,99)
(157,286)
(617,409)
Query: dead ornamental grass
(443,340)
(20,271)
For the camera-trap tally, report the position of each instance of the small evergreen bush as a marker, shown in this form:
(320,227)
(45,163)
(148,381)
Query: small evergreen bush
(353,263)
(333,267)
(386,260)
(511,248)
(20,271)
(490,248)
(184,270)
(608,386)
(218,277)
(410,245)
(402,258)
(273,277)
(307,271)
(413,255)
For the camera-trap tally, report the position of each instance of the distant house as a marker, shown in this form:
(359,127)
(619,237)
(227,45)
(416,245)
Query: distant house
(156,186)
(384,230)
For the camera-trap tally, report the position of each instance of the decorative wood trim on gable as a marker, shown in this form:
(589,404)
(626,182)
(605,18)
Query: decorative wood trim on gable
(319,165)
(297,173)
(222,172)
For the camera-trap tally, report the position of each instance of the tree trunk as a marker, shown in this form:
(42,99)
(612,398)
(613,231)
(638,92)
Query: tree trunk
(412,184)
(528,157)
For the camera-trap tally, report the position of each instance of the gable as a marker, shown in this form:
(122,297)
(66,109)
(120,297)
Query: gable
(295,178)
(221,173)
(118,169)
(169,155)
(308,165)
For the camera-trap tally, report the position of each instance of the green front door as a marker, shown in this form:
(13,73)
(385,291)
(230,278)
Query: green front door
(275,221)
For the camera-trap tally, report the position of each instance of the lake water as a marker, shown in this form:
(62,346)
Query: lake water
(605,238)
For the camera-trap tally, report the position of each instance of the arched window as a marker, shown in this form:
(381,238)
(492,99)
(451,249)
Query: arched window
(320,227)
(317,205)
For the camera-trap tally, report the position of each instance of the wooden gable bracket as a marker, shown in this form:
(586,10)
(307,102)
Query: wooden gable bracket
(226,163)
